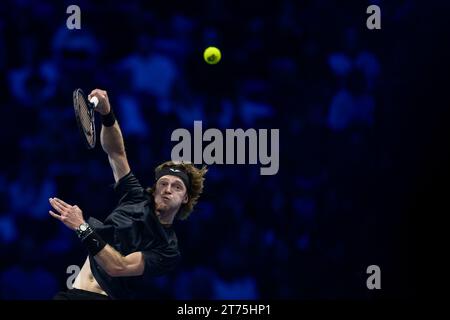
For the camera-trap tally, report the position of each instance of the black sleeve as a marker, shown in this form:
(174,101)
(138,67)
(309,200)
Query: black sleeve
(129,189)
(160,263)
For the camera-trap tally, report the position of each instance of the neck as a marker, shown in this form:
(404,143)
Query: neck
(165,217)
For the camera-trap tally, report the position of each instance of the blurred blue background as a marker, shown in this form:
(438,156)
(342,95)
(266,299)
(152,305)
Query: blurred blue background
(309,68)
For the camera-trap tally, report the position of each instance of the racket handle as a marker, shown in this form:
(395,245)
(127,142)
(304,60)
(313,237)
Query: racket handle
(94,101)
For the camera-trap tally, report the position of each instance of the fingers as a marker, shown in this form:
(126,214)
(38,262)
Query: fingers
(60,206)
(54,215)
(98,93)
(93,93)
(64,204)
(103,106)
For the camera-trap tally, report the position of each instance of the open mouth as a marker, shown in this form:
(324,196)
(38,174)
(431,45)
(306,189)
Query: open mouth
(166,198)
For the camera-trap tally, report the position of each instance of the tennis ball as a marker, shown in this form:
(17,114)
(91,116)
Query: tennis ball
(212,55)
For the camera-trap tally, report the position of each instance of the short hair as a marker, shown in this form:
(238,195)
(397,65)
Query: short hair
(196,177)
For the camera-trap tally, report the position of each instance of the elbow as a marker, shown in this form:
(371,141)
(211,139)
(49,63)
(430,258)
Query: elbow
(116,271)
(124,268)
(117,154)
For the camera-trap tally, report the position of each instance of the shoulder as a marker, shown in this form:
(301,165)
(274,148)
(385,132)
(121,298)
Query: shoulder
(127,181)
(129,189)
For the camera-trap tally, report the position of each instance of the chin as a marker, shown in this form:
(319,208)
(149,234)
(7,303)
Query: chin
(161,207)
(165,206)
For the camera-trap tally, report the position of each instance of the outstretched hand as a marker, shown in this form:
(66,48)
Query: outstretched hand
(71,216)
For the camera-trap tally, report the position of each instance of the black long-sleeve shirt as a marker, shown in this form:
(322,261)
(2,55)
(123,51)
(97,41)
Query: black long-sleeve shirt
(133,226)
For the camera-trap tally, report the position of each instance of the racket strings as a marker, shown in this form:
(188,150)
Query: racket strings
(85,116)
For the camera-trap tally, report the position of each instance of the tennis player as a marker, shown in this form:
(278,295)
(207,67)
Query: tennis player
(137,240)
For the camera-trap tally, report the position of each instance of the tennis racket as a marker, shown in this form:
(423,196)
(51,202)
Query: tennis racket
(84,113)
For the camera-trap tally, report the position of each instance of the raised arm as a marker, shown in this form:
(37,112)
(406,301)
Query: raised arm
(111,137)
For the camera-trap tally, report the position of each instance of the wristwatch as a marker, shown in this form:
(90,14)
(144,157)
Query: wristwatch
(82,229)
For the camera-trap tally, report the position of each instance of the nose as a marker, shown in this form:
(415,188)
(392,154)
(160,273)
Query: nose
(167,189)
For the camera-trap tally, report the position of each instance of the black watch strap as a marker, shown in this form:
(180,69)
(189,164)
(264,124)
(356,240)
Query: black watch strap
(84,230)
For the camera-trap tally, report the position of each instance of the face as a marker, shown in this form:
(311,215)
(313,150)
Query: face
(170,193)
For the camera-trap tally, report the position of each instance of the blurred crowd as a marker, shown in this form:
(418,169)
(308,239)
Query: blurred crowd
(309,68)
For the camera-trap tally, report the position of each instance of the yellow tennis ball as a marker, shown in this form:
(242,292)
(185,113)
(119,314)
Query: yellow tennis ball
(212,55)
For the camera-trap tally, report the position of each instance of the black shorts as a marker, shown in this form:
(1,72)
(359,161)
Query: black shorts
(77,294)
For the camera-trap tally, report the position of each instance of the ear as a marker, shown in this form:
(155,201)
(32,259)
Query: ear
(185,199)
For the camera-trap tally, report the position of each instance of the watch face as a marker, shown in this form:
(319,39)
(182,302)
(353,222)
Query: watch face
(83,227)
